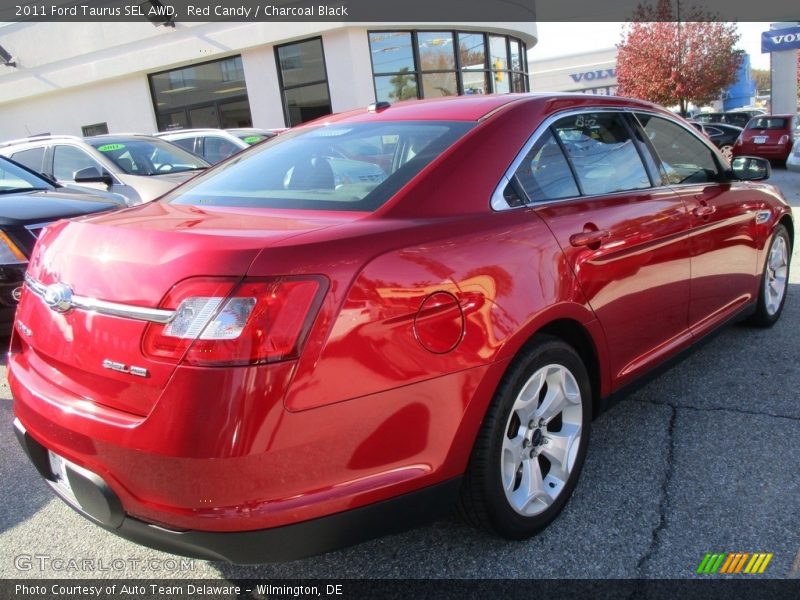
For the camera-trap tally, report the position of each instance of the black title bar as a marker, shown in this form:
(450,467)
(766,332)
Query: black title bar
(398,11)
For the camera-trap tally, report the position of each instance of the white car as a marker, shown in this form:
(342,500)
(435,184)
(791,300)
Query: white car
(138,167)
(793,162)
(214,145)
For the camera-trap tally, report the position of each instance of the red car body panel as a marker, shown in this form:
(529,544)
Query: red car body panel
(428,300)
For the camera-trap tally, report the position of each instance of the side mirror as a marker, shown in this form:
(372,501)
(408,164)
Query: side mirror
(751,168)
(92,175)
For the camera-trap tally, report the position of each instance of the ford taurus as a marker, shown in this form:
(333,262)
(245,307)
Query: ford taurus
(281,356)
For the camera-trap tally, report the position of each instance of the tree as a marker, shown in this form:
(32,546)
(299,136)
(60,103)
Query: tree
(404,85)
(676,58)
(762,79)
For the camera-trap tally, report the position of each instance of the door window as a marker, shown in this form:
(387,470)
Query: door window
(68,160)
(544,173)
(685,158)
(216,149)
(185,143)
(30,158)
(602,153)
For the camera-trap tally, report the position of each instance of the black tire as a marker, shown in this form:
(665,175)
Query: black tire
(483,502)
(766,315)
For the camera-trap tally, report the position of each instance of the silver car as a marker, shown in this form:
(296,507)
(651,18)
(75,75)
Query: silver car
(214,145)
(138,167)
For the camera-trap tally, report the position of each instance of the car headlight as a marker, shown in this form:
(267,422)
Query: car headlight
(9,253)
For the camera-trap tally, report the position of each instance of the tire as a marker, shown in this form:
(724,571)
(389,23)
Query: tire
(774,280)
(527,459)
(727,152)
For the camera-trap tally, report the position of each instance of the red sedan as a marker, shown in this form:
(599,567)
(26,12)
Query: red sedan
(300,349)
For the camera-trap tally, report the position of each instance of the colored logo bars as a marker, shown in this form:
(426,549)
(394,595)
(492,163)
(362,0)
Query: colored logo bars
(734,562)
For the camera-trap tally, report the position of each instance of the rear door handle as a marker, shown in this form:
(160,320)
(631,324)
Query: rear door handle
(589,238)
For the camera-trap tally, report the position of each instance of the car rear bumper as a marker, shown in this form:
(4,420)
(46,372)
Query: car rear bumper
(773,151)
(95,500)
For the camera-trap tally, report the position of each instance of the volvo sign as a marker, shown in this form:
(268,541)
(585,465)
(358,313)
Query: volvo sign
(776,40)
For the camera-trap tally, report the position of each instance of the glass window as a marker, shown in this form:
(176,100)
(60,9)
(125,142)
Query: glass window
(391,88)
(499,63)
(439,84)
(767,123)
(472,54)
(602,153)
(137,156)
(185,143)
(685,158)
(304,81)
(436,52)
(472,51)
(96,129)
(464,62)
(348,166)
(216,149)
(14,179)
(391,51)
(307,103)
(32,158)
(544,173)
(68,160)
(199,88)
(302,63)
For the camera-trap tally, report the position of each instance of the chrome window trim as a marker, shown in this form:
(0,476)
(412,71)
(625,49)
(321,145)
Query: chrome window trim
(103,307)
(498,202)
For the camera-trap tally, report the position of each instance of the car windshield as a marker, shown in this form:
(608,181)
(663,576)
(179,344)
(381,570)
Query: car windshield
(15,179)
(345,166)
(142,156)
(767,123)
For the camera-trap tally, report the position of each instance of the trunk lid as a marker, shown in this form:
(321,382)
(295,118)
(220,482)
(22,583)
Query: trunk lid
(134,257)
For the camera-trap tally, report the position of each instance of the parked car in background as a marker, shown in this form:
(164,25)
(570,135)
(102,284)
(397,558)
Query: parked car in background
(138,167)
(700,127)
(768,136)
(28,203)
(274,363)
(724,137)
(793,162)
(214,145)
(252,135)
(738,118)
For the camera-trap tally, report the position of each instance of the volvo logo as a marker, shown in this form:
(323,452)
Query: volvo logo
(58,296)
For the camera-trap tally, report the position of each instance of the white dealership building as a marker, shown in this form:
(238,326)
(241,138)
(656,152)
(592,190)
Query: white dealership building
(89,78)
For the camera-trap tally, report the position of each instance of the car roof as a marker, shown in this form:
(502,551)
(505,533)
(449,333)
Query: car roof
(470,108)
(113,137)
(191,131)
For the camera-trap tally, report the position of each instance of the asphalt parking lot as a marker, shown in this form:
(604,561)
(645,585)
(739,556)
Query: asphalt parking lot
(703,459)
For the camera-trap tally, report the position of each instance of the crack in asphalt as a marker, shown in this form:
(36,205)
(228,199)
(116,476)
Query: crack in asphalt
(664,500)
(668,474)
(741,411)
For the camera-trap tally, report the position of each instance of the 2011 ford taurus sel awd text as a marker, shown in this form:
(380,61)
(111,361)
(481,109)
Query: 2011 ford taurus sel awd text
(295,351)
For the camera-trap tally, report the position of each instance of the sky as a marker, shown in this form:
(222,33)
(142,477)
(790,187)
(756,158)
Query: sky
(558,39)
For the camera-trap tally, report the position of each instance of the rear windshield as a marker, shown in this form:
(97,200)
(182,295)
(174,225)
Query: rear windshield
(343,166)
(147,156)
(768,123)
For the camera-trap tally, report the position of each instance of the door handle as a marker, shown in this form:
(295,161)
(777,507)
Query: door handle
(589,238)
(704,211)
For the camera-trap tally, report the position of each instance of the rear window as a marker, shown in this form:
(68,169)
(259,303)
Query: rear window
(768,123)
(343,166)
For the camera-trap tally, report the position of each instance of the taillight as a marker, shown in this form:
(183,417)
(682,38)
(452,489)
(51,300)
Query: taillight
(739,141)
(784,139)
(219,322)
